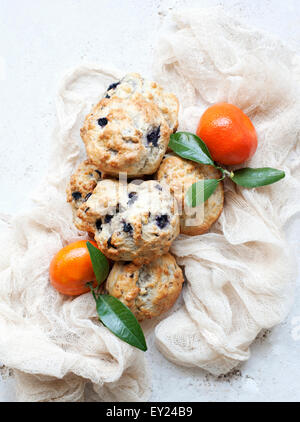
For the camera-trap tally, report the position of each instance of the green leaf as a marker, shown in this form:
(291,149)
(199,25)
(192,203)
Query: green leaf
(252,178)
(120,321)
(200,191)
(189,146)
(99,262)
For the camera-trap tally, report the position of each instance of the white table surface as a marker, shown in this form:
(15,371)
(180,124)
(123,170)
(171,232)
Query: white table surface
(40,40)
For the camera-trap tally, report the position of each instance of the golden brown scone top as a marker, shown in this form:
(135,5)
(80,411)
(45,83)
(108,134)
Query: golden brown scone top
(126,135)
(147,290)
(81,185)
(83,181)
(133,84)
(179,174)
(138,224)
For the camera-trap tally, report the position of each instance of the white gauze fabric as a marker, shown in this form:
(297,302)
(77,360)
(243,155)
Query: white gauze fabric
(56,345)
(240,275)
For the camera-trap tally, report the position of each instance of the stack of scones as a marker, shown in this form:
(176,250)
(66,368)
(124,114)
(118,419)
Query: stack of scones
(126,135)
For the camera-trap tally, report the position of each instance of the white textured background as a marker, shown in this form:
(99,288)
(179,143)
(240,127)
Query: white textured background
(40,40)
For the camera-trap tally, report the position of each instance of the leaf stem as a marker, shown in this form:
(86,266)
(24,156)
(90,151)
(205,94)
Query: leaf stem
(224,171)
(90,285)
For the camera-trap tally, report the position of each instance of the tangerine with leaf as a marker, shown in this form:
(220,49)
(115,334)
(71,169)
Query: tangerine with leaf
(71,269)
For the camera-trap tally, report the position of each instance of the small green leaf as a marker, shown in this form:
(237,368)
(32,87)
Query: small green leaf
(252,178)
(189,146)
(120,321)
(200,191)
(99,262)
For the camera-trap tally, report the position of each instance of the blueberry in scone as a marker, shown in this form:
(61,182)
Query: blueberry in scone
(126,135)
(133,83)
(135,222)
(81,185)
(179,174)
(148,290)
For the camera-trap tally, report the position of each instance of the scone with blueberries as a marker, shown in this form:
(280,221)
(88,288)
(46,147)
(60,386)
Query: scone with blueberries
(148,290)
(134,222)
(126,135)
(81,185)
(179,174)
(133,84)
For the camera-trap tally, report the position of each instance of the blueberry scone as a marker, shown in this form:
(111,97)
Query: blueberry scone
(134,222)
(148,290)
(82,183)
(126,135)
(179,174)
(133,84)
